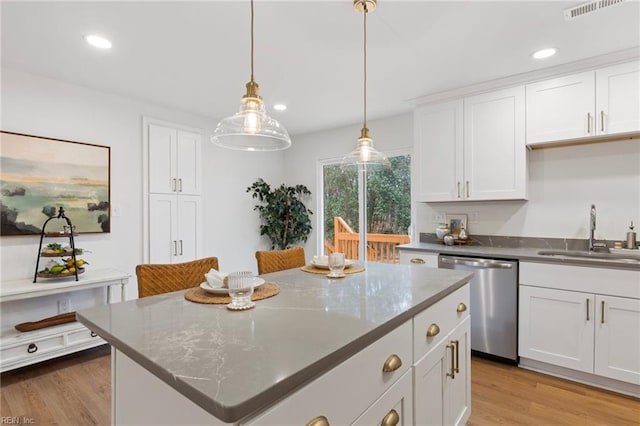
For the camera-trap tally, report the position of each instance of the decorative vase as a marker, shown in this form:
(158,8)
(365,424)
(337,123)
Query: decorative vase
(442,230)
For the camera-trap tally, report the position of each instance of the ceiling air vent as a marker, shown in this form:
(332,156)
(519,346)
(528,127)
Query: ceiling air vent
(589,8)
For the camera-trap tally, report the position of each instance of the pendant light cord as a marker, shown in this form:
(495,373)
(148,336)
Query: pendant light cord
(251,40)
(365,65)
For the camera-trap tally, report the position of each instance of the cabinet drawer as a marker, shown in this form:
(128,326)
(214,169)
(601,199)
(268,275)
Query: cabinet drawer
(445,315)
(419,258)
(81,336)
(396,402)
(32,348)
(345,392)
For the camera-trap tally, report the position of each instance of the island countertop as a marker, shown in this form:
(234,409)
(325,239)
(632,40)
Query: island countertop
(235,363)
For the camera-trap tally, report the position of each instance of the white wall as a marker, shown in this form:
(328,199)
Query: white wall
(302,159)
(45,107)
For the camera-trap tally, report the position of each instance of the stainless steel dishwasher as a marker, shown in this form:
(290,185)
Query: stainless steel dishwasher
(494,305)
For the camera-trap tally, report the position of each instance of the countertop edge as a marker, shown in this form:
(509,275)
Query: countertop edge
(285,387)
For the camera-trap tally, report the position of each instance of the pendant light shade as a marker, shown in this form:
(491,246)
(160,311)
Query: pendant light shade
(251,129)
(365,153)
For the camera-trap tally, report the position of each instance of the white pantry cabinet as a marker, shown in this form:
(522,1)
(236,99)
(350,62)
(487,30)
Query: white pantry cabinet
(472,148)
(174,225)
(582,318)
(588,104)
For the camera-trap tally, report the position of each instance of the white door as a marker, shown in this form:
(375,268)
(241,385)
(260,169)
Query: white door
(556,326)
(162,160)
(494,146)
(618,99)
(438,151)
(617,339)
(189,163)
(189,236)
(429,375)
(459,387)
(163,220)
(561,108)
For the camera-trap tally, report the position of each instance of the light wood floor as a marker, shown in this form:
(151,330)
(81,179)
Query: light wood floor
(75,390)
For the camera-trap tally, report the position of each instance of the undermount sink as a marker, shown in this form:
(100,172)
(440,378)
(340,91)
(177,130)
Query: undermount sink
(591,255)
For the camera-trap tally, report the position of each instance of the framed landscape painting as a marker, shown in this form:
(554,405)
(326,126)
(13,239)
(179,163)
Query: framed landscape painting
(39,175)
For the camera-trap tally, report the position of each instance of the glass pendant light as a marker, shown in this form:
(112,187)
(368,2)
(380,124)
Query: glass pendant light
(251,129)
(365,153)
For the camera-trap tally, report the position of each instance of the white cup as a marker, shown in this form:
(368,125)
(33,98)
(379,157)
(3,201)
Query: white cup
(336,265)
(240,288)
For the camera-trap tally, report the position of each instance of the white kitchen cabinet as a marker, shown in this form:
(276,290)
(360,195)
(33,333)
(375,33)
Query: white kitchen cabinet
(175,224)
(593,103)
(18,349)
(175,163)
(410,257)
(581,318)
(442,381)
(471,149)
(438,151)
(395,407)
(495,157)
(617,338)
(556,326)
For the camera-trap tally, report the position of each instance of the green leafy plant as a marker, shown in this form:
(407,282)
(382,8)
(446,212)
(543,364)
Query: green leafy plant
(285,219)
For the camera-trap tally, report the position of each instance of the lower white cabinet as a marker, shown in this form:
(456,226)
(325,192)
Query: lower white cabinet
(175,228)
(583,330)
(395,407)
(442,381)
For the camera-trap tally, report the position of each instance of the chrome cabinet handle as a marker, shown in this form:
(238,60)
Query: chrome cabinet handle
(32,348)
(452,372)
(433,330)
(467,189)
(587,309)
(458,186)
(180,247)
(392,364)
(461,307)
(602,121)
(180,185)
(175,247)
(391,419)
(418,261)
(173,184)
(588,123)
(319,421)
(602,313)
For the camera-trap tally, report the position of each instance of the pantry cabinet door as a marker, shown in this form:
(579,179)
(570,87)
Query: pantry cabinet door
(561,108)
(618,99)
(189,237)
(556,326)
(617,347)
(189,163)
(162,159)
(163,222)
(438,151)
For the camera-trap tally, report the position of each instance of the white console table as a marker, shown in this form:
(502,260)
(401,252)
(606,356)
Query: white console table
(18,349)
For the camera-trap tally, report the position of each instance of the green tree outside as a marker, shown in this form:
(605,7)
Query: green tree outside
(388,197)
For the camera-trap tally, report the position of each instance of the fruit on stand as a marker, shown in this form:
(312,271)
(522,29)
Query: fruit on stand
(53,268)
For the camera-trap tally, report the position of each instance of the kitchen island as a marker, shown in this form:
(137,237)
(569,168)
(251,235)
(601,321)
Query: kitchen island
(175,361)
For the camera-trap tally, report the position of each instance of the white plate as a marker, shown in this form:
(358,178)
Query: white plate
(321,265)
(257,282)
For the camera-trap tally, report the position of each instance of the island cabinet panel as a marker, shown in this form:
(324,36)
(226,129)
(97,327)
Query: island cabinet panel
(396,405)
(345,392)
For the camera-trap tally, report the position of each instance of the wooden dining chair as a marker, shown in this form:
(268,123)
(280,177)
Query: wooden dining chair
(164,278)
(279,260)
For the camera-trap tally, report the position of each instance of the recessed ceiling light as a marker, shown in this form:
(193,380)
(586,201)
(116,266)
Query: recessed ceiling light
(98,41)
(280,107)
(545,53)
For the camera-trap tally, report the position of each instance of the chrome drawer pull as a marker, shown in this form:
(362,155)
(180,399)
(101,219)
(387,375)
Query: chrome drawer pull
(391,419)
(461,307)
(418,261)
(392,364)
(32,348)
(433,330)
(319,421)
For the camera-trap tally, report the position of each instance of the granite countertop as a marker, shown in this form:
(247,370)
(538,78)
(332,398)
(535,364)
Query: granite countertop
(233,364)
(480,249)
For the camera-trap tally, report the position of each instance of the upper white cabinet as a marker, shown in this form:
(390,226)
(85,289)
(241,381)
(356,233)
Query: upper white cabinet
(588,104)
(472,149)
(175,164)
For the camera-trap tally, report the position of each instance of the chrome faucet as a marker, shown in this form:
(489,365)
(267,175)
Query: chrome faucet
(593,246)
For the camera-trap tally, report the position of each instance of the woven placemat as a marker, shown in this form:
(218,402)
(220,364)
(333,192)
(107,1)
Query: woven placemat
(313,270)
(198,295)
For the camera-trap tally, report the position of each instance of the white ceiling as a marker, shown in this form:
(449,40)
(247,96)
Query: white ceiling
(194,56)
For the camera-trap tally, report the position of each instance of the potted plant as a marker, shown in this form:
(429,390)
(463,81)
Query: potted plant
(285,218)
